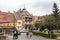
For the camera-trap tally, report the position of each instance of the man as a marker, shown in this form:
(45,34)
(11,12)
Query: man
(15,34)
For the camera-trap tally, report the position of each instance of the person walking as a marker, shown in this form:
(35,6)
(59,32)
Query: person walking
(15,34)
(30,33)
(27,34)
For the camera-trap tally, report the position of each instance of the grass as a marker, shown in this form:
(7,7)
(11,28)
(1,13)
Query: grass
(39,31)
(57,33)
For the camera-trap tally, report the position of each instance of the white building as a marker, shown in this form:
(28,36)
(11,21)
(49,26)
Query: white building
(25,18)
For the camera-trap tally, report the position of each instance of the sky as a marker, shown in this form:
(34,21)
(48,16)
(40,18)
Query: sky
(35,7)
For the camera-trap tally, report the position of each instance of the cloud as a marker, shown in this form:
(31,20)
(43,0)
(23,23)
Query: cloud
(43,7)
(35,7)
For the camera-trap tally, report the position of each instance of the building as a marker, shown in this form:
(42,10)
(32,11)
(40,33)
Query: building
(18,21)
(25,17)
(38,19)
(6,21)
(19,24)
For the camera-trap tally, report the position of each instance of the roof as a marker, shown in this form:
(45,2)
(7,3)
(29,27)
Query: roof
(6,17)
(4,21)
(22,13)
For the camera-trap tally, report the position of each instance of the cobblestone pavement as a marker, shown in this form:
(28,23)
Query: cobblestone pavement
(23,37)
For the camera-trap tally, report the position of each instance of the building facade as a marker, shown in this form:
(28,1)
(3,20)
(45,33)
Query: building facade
(6,21)
(18,24)
(25,17)
(38,19)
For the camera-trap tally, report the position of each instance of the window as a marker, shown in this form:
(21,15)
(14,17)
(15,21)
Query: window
(7,24)
(18,26)
(10,24)
(19,22)
(27,15)
(13,24)
(22,15)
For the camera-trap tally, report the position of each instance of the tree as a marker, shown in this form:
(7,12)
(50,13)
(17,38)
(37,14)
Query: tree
(49,22)
(55,14)
(37,24)
(55,10)
(40,25)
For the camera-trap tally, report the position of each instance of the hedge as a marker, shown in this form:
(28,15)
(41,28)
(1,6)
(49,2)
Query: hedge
(53,36)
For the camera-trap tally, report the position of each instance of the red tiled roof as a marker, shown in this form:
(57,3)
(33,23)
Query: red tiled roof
(6,17)
(38,19)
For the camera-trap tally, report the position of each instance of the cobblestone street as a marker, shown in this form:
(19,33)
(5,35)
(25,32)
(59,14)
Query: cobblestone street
(23,37)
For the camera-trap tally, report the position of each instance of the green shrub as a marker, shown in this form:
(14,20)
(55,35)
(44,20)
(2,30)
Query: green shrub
(45,35)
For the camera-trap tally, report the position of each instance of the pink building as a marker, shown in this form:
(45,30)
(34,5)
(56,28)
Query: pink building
(38,18)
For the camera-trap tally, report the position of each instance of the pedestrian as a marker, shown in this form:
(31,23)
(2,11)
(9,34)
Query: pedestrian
(30,33)
(27,34)
(15,34)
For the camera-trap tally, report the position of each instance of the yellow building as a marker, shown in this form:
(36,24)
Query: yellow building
(7,20)
(18,24)
(7,24)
